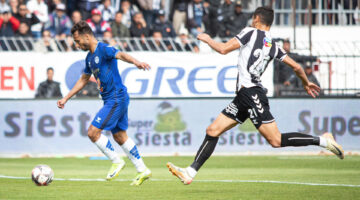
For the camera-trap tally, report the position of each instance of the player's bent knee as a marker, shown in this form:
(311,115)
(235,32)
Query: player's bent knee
(212,131)
(93,135)
(120,137)
(275,143)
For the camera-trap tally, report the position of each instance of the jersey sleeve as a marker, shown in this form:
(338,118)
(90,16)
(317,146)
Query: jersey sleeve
(244,36)
(87,67)
(280,53)
(110,52)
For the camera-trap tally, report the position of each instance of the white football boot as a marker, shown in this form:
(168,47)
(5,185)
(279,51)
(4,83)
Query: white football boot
(333,146)
(181,173)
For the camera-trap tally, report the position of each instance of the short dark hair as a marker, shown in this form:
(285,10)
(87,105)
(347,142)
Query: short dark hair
(82,27)
(49,68)
(266,15)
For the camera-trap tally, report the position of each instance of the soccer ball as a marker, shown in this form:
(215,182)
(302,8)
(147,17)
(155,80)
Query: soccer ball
(42,175)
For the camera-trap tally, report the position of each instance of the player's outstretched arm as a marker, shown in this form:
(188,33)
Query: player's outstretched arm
(222,48)
(84,79)
(127,58)
(311,88)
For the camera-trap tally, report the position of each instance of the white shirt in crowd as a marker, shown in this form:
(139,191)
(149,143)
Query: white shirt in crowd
(40,9)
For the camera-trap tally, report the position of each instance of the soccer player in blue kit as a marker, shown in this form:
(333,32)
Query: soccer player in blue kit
(101,61)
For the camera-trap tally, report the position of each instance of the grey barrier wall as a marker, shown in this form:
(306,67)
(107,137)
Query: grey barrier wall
(168,126)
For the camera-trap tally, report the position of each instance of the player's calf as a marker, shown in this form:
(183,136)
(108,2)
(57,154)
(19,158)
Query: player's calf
(326,141)
(299,139)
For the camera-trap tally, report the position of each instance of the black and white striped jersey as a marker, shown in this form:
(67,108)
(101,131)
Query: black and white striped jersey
(256,51)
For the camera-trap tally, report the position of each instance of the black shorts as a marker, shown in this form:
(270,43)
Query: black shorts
(250,103)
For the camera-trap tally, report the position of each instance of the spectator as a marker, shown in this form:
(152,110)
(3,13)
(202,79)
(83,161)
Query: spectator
(119,30)
(4,6)
(295,82)
(98,26)
(23,30)
(24,16)
(234,22)
(49,88)
(164,26)
(76,17)
(86,7)
(24,33)
(116,4)
(52,5)
(70,45)
(282,72)
(128,11)
(156,44)
(225,9)
(14,4)
(90,90)
(179,14)
(150,9)
(196,15)
(8,24)
(212,26)
(46,44)
(310,75)
(183,42)
(40,9)
(108,39)
(59,23)
(139,27)
(108,12)
(71,6)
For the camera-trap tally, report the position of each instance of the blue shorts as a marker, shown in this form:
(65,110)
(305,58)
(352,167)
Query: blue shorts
(113,116)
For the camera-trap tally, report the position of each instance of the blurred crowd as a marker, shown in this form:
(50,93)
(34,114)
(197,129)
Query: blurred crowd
(122,19)
(168,23)
(286,83)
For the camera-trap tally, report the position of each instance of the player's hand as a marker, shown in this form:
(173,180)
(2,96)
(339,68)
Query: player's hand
(142,65)
(312,89)
(61,103)
(204,37)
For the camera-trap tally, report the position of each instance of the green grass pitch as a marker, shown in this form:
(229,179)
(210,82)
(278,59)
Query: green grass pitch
(290,172)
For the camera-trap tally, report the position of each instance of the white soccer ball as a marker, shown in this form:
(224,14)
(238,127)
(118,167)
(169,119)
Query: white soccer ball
(42,175)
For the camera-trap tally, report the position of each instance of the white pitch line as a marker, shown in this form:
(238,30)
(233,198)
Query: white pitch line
(207,181)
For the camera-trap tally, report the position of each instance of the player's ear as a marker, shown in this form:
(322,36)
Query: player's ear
(256,19)
(87,37)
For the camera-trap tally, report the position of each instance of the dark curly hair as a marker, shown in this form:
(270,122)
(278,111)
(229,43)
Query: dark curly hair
(82,27)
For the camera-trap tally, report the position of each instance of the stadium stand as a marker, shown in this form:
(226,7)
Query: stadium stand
(43,26)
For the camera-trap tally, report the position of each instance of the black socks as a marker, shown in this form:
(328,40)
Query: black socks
(298,139)
(205,151)
(287,139)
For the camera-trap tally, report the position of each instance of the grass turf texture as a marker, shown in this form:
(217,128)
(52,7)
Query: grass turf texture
(305,169)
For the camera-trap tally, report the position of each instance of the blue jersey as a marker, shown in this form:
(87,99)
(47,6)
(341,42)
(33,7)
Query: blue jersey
(103,65)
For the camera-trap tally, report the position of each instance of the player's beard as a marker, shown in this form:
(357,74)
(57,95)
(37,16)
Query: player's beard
(85,47)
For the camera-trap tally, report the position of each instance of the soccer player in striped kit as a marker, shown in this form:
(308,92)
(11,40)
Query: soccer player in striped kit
(257,49)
